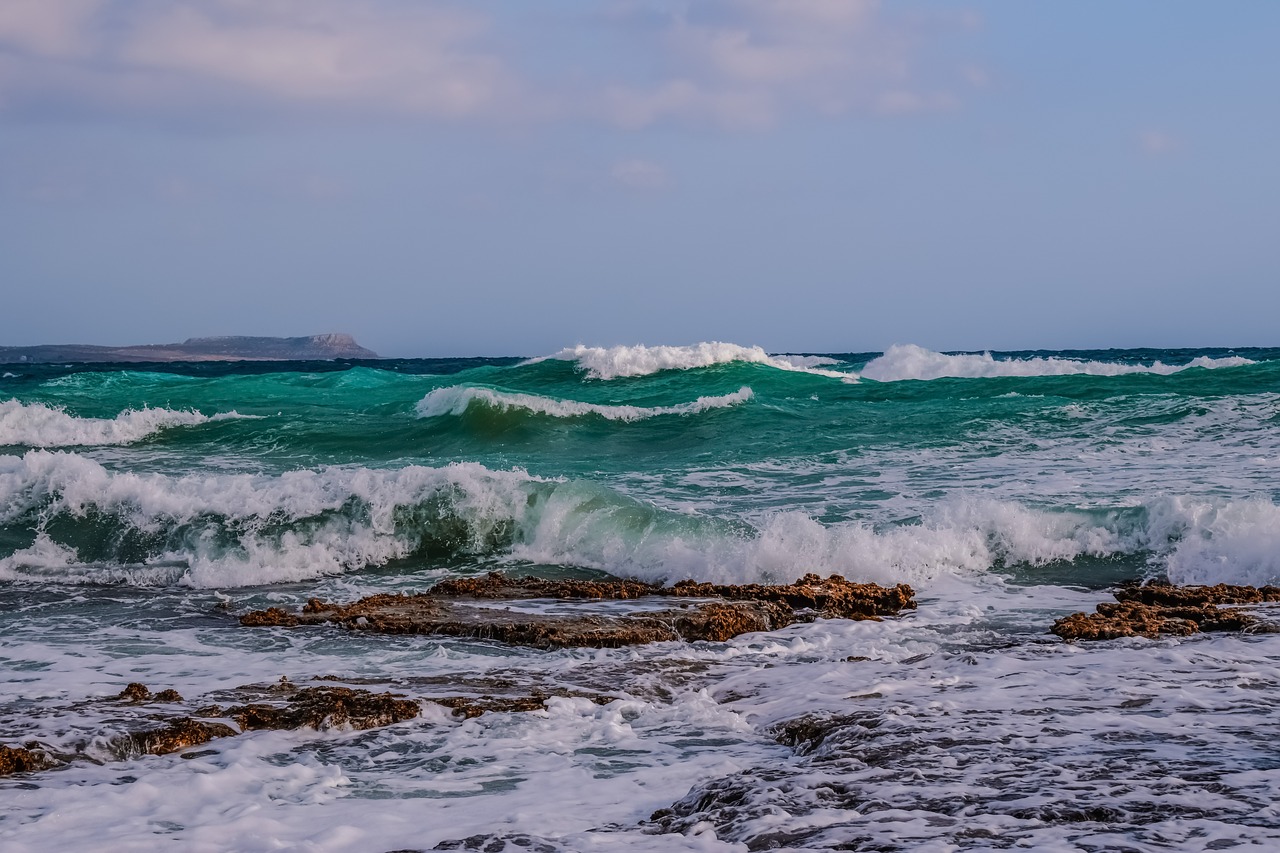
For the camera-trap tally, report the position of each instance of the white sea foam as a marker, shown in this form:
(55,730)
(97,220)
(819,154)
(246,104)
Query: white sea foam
(39,425)
(456,399)
(641,360)
(221,530)
(908,361)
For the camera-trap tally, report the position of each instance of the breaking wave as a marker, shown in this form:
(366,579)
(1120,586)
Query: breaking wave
(76,520)
(908,361)
(38,425)
(624,361)
(456,399)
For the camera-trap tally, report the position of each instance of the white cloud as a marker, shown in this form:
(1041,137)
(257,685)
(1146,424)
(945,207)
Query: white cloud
(730,63)
(414,58)
(641,175)
(54,28)
(745,63)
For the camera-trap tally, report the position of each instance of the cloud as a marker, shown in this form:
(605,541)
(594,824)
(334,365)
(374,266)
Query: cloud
(383,56)
(641,175)
(731,63)
(54,28)
(747,63)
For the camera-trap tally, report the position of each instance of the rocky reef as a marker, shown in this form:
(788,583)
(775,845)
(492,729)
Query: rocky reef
(284,705)
(1157,609)
(696,611)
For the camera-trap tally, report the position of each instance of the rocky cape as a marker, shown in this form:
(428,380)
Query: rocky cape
(227,348)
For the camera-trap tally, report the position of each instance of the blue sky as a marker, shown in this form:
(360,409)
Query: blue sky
(510,178)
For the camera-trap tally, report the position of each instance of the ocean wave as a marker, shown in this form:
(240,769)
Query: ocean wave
(39,425)
(82,521)
(625,361)
(908,361)
(456,399)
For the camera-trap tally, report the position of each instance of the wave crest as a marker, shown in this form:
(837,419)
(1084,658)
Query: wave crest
(39,425)
(83,522)
(456,399)
(908,361)
(640,360)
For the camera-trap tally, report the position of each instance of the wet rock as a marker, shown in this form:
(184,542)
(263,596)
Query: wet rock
(324,708)
(1168,595)
(1163,609)
(20,760)
(451,609)
(833,598)
(138,692)
(470,707)
(179,734)
(135,692)
(270,616)
(496,585)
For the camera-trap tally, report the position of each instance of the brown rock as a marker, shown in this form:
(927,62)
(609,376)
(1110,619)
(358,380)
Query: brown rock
(324,708)
(449,609)
(473,706)
(177,735)
(19,760)
(1168,595)
(135,692)
(1156,609)
(270,616)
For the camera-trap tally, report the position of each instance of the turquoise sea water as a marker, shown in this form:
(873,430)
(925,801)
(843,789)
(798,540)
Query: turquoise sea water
(142,504)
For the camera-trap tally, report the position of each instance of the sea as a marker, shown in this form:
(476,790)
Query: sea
(144,507)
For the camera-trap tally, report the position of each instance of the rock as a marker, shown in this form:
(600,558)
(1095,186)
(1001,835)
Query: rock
(1168,595)
(470,707)
(324,708)
(451,609)
(135,692)
(179,734)
(1162,609)
(19,760)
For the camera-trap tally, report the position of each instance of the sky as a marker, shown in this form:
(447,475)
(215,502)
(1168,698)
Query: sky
(510,178)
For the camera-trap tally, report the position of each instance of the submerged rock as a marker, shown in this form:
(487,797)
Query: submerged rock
(1163,609)
(450,609)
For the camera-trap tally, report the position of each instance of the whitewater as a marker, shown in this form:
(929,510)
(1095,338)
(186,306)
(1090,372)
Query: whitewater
(142,508)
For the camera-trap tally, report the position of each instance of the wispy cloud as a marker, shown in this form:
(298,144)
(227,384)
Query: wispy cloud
(423,59)
(747,63)
(734,63)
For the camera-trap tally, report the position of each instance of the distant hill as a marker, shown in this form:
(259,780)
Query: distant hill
(229,348)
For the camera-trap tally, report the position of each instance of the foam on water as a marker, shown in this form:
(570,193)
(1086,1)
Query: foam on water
(641,360)
(39,425)
(88,523)
(456,399)
(908,361)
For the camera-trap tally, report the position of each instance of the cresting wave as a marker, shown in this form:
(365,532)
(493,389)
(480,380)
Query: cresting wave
(908,361)
(83,522)
(38,425)
(625,361)
(456,399)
